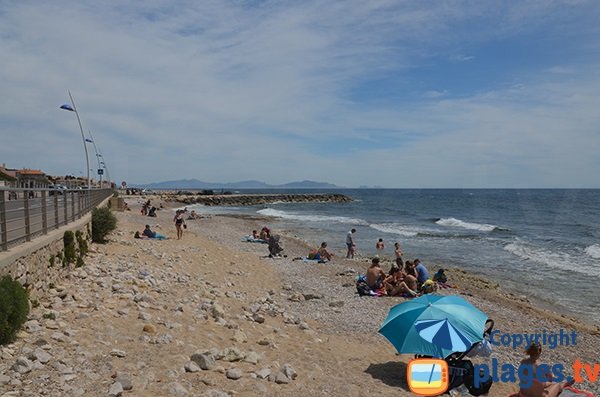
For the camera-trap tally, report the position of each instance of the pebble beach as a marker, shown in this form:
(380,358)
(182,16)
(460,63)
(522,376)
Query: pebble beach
(210,315)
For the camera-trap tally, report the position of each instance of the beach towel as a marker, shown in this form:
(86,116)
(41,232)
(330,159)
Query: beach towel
(308,260)
(569,391)
(250,239)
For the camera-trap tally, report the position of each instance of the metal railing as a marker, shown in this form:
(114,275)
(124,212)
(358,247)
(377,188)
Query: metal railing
(28,213)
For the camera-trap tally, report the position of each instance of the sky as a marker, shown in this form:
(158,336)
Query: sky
(400,94)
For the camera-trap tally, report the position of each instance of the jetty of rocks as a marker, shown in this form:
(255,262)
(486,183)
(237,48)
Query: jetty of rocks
(253,199)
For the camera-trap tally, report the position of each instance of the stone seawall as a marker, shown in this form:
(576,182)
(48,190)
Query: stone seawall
(254,199)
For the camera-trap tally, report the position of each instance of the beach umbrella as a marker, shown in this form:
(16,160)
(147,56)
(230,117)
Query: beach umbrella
(434,325)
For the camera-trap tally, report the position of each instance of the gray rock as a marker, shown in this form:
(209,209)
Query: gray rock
(233,373)
(252,358)
(204,361)
(32,326)
(4,379)
(281,379)
(289,371)
(336,304)
(303,326)
(217,311)
(117,353)
(115,390)
(191,367)
(312,295)
(41,355)
(232,354)
(144,316)
(125,382)
(258,318)
(263,373)
(178,389)
(22,365)
(239,337)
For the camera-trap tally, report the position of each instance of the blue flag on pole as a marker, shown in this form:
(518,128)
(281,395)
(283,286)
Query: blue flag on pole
(66,106)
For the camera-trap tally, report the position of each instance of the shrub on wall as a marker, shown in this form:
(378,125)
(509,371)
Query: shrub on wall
(81,243)
(14,307)
(103,222)
(70,255)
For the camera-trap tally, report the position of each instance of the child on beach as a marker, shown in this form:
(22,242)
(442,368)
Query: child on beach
(380,246)
(398,251)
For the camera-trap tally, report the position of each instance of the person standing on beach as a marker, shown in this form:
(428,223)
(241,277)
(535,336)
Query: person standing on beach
(179,223)
(350,244)
(398,251)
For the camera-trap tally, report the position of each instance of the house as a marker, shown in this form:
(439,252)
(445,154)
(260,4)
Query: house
(32,179)
(8,178)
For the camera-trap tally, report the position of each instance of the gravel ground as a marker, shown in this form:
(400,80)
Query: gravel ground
(342,311)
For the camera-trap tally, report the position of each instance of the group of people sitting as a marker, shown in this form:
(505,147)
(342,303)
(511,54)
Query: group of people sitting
(148,209)
(408,279)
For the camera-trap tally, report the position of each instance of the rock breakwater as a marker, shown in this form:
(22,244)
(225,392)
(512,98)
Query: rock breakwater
(254,199)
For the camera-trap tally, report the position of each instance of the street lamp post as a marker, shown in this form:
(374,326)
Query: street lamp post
(73,108)
(93,141)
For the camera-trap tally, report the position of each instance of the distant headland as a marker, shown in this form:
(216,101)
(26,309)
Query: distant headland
(197,184)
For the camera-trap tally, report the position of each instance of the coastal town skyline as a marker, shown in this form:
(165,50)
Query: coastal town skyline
(393,94)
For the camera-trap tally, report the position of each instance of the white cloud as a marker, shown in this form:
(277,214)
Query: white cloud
(223,91)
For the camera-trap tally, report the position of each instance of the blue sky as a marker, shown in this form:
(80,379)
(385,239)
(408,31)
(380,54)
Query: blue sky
(391,93)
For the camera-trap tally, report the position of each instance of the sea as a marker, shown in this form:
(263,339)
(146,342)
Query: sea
(541,243)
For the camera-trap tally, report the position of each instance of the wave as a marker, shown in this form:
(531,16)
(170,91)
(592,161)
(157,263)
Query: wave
(310,218)
(395,228)
(554,260)
(453,222)
(593,251)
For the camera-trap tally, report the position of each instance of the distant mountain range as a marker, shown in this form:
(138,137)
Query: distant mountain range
(196,184)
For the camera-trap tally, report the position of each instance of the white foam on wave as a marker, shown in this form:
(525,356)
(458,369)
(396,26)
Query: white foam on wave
(395,228)
(554,260)
(593,251)
(453,222)
(310,218)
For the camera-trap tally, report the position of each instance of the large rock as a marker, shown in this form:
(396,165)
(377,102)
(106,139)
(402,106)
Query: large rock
(234,373)
(204,361)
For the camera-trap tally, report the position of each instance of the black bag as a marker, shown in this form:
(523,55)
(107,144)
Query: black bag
(484,386)
(362,288)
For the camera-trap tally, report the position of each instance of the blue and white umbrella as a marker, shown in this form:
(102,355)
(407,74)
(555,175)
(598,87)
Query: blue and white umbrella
(456,321)
(443,334)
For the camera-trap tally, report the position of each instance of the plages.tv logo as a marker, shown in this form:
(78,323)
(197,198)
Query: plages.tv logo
(427,376)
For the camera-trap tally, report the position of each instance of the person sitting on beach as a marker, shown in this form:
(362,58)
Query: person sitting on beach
(193,215)
(255,235)
(152,212)
(265,233)
(375,275)
(275,246)
(409,268)
(380,246)
(396,283)
(422,273)
(398,251)
(149,233)
(540,382)
(323,253)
